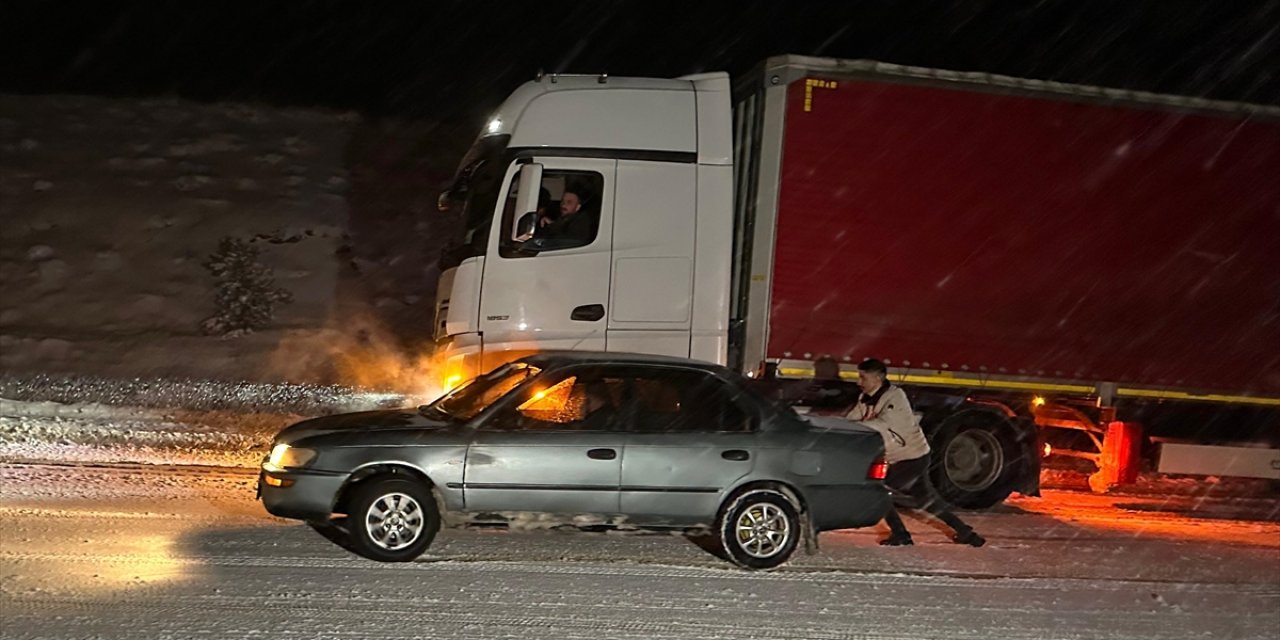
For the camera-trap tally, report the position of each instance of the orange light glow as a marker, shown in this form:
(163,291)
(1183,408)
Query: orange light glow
(1163,517)
(1048,450)
(1038,401)
(553,398)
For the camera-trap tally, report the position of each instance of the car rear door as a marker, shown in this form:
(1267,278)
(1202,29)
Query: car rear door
(690,440)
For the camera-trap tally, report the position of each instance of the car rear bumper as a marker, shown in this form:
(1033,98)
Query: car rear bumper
(847,506)
(303,495)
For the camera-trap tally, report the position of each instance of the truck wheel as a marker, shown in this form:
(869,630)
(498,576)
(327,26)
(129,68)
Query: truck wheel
(759,529)
(392,520)
(975,459)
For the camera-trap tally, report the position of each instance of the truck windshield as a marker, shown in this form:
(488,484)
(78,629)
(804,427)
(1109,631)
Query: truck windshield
(474,193)
(468,400)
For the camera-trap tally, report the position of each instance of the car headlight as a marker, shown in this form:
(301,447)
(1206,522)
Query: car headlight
(284,456)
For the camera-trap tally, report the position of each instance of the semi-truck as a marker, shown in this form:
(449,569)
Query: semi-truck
(1036,262)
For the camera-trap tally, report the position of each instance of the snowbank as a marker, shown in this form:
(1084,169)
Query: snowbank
(162,422)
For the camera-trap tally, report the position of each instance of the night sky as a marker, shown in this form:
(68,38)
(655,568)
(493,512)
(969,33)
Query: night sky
(456,60)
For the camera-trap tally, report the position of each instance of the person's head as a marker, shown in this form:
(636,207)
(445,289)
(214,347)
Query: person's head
(570,203)
(597,395)
(826,368)
(871,374)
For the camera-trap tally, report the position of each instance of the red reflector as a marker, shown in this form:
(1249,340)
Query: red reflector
(879,469)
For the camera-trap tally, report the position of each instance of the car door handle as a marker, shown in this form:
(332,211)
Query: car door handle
(588,312)
(735,454)
(602,454)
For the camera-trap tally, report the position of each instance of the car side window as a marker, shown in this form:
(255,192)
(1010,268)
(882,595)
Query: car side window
(581,402)
(686,402)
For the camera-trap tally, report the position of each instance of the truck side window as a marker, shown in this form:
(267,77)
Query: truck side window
(568,214)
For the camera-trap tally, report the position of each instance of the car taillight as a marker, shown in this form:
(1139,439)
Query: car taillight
(879,469)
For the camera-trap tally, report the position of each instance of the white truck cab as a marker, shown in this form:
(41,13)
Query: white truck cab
(646,265)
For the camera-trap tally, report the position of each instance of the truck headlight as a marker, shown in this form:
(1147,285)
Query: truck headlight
(284,456)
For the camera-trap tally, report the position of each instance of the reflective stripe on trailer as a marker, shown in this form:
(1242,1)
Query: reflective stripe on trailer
(794,370)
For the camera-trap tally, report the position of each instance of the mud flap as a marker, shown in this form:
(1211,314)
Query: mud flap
(810,534)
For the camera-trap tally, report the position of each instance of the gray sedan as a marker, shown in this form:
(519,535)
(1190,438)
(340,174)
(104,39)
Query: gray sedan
(608,440)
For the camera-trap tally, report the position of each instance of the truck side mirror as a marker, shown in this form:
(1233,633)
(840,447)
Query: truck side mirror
(530,184)
(527,224)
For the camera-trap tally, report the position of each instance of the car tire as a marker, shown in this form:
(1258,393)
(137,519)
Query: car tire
(759,529)
(392,519)
(975,461)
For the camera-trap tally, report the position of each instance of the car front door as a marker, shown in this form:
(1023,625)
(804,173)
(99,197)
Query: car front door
(541,453)
(690,440)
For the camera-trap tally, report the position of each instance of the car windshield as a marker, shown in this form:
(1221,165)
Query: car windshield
(468,400)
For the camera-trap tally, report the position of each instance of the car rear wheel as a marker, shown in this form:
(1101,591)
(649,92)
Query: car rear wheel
(759,529)
(392,520)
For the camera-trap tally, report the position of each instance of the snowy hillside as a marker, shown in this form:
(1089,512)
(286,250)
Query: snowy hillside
(110,207)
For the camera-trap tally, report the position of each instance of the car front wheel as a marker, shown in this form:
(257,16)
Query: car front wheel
(759,529)
(392,520)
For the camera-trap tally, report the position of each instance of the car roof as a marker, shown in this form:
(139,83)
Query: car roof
(548,359)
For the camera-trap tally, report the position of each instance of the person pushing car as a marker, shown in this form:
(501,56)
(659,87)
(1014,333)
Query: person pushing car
(885,408)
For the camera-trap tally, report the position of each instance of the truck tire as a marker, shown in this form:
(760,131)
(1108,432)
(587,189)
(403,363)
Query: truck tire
(976,459)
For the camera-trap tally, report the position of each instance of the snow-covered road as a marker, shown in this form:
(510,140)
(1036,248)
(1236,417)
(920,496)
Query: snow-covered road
(185,552)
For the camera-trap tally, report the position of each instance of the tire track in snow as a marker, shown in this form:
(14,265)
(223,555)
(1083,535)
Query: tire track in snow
(632,568)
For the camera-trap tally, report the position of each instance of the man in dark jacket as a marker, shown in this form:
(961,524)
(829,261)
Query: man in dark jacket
(573,227)
(885,408)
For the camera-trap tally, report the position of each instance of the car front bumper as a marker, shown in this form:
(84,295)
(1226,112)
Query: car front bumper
(300,494)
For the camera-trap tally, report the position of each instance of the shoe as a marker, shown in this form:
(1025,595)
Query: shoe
(897,540)
(970,538)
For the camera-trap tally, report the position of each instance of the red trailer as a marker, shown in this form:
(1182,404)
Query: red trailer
(1067,256)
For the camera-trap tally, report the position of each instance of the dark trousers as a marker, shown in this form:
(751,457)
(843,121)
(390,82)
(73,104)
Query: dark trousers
(909,482)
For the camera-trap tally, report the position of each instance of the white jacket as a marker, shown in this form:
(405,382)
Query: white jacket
(897,424)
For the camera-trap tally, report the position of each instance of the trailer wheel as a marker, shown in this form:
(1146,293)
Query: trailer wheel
(975,459)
